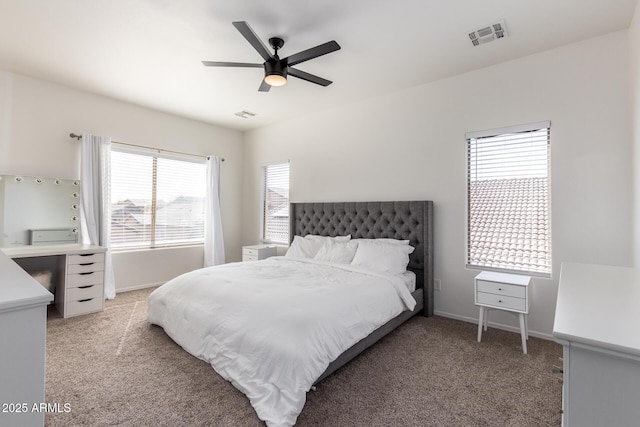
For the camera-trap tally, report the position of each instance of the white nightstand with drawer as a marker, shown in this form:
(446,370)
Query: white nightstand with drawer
(258,252)
(502,291)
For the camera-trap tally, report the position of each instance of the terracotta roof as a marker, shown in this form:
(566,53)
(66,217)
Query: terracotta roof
(509,224)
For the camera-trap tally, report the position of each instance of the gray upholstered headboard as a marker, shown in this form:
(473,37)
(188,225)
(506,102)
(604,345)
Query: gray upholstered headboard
(412,220)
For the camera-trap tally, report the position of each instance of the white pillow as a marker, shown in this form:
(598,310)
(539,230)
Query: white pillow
(382,256)
(303,248)
(338,252)
(325,238)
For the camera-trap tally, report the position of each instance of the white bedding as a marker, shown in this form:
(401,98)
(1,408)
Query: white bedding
(272,327)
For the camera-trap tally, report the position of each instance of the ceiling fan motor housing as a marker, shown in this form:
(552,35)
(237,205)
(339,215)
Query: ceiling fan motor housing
(276,66)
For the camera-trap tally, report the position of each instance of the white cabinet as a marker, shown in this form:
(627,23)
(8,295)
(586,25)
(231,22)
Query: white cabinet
(258,252)
(597,322)
(502,291)
(83,289)
(23,317)
(81,275)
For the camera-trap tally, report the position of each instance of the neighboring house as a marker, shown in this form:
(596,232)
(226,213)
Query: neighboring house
(181,219)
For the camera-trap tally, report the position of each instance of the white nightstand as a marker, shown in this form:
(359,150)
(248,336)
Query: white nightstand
(257,252)
(502,291)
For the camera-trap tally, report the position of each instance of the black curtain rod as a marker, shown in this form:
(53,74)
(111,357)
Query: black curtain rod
(79,137)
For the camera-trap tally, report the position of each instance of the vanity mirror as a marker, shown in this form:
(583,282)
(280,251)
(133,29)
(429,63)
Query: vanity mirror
(35,210)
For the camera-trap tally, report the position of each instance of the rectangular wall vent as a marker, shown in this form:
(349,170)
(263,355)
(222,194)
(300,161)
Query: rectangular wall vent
(245,114)
(488,34)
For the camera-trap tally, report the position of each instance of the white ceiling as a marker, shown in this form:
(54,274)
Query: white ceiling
(148,52)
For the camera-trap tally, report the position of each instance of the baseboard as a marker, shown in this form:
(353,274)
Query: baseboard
(495,325)
(136,287)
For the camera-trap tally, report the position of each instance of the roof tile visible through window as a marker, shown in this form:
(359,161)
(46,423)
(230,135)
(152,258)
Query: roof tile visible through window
(508,201)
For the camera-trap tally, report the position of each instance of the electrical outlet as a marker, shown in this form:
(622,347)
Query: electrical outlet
(437,285)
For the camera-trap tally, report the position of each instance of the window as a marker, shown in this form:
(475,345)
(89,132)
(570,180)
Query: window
(275,203)
(156,200)
(508,202)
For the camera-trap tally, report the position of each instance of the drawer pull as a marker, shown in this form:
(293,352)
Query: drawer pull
(86,254)
(85,300)
(499,289)
(84,274)
(499,300)
(85,287)
(86,263)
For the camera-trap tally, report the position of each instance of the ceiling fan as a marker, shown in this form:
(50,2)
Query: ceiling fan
(276,70)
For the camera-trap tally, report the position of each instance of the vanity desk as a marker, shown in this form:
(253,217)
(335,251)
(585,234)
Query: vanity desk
(80,274)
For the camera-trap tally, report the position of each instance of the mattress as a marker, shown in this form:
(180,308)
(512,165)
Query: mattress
(272,327)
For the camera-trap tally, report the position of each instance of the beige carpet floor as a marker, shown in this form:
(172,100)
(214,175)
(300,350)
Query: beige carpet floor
(114,368)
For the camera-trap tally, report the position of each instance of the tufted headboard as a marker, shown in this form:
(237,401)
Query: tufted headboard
(412,220)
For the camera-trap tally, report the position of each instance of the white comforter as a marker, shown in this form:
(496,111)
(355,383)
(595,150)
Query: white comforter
(272,327)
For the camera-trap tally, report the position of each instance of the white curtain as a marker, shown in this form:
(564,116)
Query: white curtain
(95,201)
(213,241)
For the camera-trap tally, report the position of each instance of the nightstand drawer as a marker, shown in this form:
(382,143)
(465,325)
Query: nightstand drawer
(502,301)
(502,289)
(258,252)
(250,252)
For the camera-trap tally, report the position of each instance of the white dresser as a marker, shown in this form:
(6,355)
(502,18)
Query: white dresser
(23,326)
(258,252)
(598,324)
(81,275)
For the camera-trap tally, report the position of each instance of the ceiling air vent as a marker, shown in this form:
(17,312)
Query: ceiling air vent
(488,34)
(245,114)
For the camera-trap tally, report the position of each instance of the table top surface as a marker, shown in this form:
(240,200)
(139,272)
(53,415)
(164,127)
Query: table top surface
(599,306)
(25,251)
(18,289)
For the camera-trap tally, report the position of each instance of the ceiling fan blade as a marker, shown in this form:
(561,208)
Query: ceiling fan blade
(314,52)
(264,87)
(308,77)
(231,64)
(253,39)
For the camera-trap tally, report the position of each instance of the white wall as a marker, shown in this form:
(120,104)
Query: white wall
(410,145)
(634,71)
(36,118)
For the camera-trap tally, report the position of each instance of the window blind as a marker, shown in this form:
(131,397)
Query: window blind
(508,199)
(275,203)
(156,201)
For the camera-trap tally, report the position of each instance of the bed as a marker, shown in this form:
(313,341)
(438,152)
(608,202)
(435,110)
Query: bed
(276,327)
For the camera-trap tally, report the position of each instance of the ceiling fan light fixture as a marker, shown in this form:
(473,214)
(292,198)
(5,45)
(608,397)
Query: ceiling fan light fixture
(275,80)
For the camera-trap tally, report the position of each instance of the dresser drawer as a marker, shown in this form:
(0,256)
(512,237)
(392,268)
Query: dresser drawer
(246,257)
(85,292)
(502,301)
(502,289)
(85,258)
(86,279)
(76,308)
(89,267)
